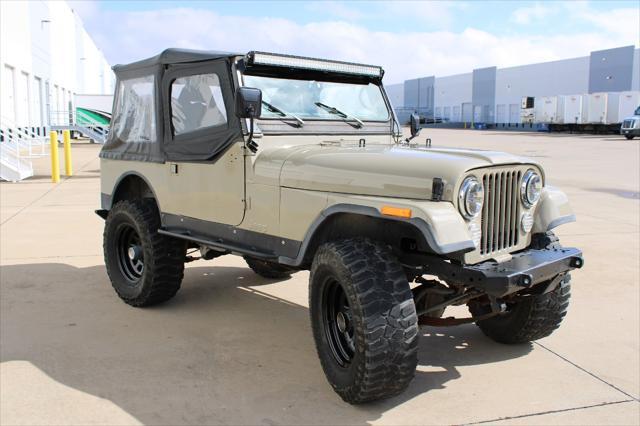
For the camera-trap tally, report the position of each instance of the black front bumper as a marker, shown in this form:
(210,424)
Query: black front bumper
(524,270)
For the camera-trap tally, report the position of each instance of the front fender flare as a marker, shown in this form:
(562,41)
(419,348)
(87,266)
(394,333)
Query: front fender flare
(440,223)
(552,210)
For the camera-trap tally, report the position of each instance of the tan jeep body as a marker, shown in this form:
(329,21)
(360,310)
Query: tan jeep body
(272,202)
(294,182)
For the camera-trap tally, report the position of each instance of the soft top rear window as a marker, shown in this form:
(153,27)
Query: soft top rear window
(134,118)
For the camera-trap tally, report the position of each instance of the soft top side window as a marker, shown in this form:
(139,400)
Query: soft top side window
(196,103)
(134,118)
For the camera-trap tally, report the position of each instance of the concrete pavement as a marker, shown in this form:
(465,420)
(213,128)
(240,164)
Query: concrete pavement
(233,348)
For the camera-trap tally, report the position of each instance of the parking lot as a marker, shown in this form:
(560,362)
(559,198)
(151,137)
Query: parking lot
(234,348)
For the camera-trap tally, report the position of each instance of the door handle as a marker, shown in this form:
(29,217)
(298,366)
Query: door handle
(174,168)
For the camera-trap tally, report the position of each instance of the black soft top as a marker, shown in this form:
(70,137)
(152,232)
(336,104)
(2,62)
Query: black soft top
(175,56)
(141,124)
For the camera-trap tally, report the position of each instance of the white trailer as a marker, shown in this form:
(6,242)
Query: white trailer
(627,104)
(602,108)
(549,109)
(575,109)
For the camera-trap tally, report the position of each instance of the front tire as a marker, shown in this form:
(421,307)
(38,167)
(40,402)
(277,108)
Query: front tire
(363,319)
(532,318)
(145,268)
(629,137)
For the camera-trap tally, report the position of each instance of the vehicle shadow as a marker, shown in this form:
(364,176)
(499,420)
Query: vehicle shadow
(222,351)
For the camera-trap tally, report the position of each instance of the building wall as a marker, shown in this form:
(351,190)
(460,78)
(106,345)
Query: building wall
(451,93)
(494,94)
(395,92)
(611,70)
(483,96)
(635,76)
(46,57)
(419,94)
(566,77)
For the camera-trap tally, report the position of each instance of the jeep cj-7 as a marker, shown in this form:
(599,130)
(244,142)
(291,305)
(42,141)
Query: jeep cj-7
(299,164)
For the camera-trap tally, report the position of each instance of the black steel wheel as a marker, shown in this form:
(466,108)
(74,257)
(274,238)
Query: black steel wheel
(145,268)
(338,322)
(130,254)
(363,319)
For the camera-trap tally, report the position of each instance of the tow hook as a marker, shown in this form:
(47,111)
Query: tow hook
(576,262)
(526,280)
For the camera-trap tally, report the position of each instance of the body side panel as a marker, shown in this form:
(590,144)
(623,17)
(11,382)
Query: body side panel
(208,190)
(155,174)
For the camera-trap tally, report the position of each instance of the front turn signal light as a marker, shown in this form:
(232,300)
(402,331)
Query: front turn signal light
(396,211)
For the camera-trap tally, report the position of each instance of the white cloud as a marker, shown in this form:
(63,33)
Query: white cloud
(624,22)
(526,15)
(129,36)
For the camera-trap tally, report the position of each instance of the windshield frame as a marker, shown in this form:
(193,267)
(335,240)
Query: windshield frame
(332,119)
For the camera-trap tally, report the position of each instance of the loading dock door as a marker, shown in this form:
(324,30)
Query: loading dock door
(467,112)
(477,114)
(24,117)
(501,113)
(37,102)
(457,118)
(8,89)
(514,113)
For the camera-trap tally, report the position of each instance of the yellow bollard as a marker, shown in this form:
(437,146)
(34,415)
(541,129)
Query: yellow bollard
(55,164)
(68,166)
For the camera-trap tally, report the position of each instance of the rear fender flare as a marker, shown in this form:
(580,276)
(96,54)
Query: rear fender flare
(106,200)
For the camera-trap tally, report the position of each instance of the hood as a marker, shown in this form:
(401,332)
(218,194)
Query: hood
(381,170)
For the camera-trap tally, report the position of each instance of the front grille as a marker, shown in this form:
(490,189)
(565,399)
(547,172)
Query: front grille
(500,211)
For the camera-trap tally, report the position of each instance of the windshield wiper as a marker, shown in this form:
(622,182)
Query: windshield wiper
(275,109)
(336,111)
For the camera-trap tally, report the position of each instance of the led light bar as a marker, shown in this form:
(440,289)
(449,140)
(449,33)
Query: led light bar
(288,61)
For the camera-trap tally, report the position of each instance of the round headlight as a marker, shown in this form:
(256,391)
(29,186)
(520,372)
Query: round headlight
(530,188)
(470,198)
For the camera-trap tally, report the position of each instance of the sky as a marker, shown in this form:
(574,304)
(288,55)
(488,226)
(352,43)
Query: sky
(409,39)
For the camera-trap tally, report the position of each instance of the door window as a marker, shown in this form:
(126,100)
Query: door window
(196,103)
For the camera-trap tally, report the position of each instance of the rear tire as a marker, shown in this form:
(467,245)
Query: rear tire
(268,269)
(363,319)
(145,268)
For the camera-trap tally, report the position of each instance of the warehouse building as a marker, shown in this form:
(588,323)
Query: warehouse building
(46,58)
(494,95)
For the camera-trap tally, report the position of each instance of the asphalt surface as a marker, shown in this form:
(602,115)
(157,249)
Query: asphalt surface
(234,348)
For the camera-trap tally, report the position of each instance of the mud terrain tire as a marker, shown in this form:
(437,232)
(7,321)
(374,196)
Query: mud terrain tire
(372,353)
(145,268)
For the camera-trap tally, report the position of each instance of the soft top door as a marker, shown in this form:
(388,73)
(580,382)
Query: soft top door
(198,116)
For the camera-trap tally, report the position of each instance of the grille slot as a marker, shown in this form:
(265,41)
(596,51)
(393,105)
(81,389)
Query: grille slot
(500,212)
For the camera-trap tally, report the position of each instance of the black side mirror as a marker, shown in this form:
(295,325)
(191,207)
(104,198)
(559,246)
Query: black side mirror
(248,102)
(249,105)
(414,122)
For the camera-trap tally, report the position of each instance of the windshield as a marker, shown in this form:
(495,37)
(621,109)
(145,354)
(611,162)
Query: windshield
(319,100)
